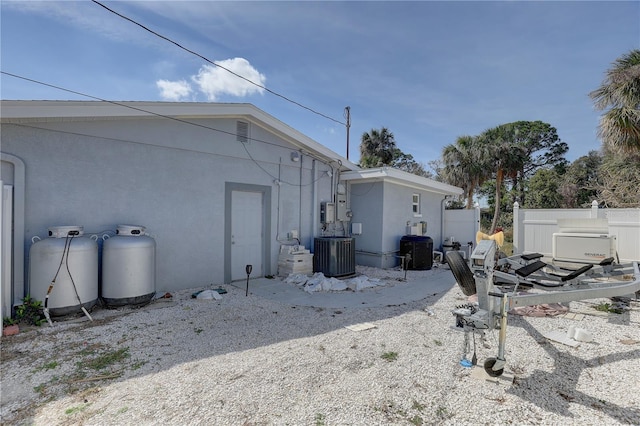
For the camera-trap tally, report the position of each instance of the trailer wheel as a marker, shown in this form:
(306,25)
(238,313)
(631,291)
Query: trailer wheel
(461,272)
(488,367)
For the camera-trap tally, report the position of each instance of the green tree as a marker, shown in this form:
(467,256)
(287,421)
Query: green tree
(488,192)
(377,148)
(540,147)
(463,165)
(619,95)
(543,190)
(507,156)
(504,156)
(579,185)
(406,163)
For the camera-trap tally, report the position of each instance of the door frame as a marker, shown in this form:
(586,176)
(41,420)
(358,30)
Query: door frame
(229,188)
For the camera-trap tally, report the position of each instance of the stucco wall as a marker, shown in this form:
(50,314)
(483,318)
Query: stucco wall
(384,209)
(398,211)
(366,205)
(167,176)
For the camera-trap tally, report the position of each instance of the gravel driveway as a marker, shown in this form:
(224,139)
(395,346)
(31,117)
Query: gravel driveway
(256,361)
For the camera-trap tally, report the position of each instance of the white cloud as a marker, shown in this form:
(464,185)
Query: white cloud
(174,90)
(214,81)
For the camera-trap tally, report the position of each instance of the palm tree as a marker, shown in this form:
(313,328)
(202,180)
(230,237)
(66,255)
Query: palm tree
(505,156)
(377,148)
(620,92)
(463,165)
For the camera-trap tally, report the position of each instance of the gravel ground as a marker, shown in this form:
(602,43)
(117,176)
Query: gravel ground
(254,361)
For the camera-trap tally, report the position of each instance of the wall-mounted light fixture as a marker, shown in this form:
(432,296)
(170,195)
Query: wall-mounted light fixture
(295,156)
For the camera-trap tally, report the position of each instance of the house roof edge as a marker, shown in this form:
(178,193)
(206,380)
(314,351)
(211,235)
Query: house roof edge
(392,175)
(20,110)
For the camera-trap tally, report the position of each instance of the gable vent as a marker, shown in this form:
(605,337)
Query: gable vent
(242,131)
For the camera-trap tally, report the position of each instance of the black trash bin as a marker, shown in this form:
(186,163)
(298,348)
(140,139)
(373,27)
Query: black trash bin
(420,247)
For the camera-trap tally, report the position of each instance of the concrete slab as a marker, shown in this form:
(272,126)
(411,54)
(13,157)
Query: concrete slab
(394,293)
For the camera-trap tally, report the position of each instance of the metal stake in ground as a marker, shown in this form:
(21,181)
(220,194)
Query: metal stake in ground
(405,264)
(248,268)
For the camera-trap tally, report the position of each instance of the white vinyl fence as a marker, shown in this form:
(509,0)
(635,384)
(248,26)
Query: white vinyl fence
(533,229)
(461,225)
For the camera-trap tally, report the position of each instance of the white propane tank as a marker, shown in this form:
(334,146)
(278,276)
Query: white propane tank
(128,267)
(74,258)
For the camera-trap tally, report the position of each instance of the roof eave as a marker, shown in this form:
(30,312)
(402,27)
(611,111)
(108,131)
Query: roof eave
(19,111)
(399,177)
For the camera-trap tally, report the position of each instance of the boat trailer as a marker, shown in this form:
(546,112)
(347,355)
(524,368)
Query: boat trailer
(499,281)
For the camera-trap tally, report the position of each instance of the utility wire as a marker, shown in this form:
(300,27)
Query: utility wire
(128,106)
(161,116)
(116,103)
(124,105)
(215,64)
(256,162)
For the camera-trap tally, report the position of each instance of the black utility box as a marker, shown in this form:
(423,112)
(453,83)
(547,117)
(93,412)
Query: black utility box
(420,247)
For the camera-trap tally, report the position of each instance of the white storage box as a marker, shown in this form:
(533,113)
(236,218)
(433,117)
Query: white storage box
(583,247)
(294,260)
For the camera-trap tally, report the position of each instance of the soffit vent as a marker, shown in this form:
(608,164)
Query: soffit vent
(242,131)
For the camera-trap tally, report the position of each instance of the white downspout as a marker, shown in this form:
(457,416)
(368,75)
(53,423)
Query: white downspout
(314,201)
(442,210)
(300,201)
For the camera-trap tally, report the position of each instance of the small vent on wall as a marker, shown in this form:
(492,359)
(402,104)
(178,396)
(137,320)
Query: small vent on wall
(242,131)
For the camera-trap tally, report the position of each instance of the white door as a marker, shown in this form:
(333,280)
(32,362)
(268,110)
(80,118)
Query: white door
(246,234)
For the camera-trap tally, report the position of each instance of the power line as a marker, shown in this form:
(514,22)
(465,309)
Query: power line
(124,105)
(216,64)
(163,116)
(177,148)
(118,103)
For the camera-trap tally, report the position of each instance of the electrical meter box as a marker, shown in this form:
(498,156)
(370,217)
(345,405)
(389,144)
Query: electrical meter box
(341,208)
(327,212)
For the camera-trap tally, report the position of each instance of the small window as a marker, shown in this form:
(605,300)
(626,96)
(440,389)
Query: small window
(242,131)
(415,203)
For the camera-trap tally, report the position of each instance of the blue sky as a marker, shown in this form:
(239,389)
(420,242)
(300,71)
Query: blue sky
(428,71)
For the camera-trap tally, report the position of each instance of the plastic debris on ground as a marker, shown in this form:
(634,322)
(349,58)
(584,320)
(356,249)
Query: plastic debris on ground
(207,295)
(561,337)
(360,327)
(319,283)
(466,363)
